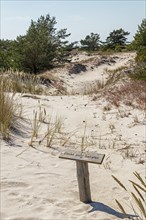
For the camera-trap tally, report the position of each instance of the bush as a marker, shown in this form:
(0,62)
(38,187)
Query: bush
(139,72)
(141,55)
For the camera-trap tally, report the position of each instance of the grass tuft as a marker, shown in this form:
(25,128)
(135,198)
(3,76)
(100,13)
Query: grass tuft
(9,113)
(138,196)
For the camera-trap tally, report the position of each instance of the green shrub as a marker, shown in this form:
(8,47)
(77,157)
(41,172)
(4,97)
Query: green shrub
(141,55)
(139,72)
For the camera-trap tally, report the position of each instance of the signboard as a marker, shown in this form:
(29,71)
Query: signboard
(90,157)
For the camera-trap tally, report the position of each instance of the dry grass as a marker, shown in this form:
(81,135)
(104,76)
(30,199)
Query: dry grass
(21,82)
(94,87)
(138,197)
(131,93)
(39,117)
(34,84)
(114,76)
(9,113)
(36,124)
(66,138)
(84,139)
(115,71)
(54,127)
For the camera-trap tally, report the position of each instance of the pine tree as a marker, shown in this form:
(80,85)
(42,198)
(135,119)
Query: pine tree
(117,38)
(91,42)
(140,36)
(42,45)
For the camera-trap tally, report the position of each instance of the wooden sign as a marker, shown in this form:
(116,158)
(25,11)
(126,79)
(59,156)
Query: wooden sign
(82,159)
(90,157)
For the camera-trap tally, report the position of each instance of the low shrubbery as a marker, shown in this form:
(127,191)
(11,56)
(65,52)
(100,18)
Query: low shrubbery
(93,87)
(131,93)
(139,72)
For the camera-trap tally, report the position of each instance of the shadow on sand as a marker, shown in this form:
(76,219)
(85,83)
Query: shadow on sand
(98,206)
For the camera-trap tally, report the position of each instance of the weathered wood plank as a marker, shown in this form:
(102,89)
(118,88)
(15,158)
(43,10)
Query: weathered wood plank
(91,157)
(82,159)
(83,181)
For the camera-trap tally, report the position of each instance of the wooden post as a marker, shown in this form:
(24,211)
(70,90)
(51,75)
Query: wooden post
(82,159)
(83,181)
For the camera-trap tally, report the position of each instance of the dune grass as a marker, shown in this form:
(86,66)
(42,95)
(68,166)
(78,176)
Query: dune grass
(9,113)
(15,81)
(137,193)
(93,87)
(53,129)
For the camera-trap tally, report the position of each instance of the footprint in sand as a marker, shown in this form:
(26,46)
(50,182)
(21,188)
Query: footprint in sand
(81,209)
(8,184)
(13,194)
(116,189)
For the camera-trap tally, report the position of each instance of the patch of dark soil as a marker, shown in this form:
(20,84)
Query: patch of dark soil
(77,68)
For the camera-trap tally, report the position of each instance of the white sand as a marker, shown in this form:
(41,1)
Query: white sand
(36,184)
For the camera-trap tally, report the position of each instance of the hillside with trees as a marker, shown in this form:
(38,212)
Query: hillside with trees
(38,50)
(43,47)
(139,44)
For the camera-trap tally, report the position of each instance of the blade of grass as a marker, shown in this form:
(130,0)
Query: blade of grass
(121,207)
(118,181)
(138,186)
(140,179)
(138,192)
(139,203)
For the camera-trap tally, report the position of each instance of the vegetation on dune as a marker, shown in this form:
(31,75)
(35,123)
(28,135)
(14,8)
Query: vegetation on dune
(131,93)
(6,60)
(43,45)
(91,42)
(14,81)
(116,40)
(139,72)
(139,44)
(140,36)
(137,195)
(9,113)
(39,49)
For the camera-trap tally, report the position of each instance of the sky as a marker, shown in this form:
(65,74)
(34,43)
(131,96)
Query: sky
(79,17)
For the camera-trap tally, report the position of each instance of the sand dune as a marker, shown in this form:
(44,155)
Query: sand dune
(37,184)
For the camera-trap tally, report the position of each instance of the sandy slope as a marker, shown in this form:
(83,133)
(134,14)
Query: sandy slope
(76,83)
(36,184)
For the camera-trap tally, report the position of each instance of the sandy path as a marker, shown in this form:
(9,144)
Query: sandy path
(38,185)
